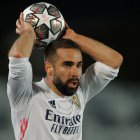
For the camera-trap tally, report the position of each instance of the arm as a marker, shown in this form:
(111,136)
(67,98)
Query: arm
(19,86)
(99,74)
(97,50)
(23,46)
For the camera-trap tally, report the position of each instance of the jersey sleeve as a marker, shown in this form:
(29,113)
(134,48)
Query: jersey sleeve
(19,85)
(95,78)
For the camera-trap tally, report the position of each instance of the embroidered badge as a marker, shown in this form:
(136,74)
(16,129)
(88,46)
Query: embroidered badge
(76,100)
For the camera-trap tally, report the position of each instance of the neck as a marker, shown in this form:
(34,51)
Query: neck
(53,87)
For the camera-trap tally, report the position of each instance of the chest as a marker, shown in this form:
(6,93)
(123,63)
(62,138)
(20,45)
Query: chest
(57,116)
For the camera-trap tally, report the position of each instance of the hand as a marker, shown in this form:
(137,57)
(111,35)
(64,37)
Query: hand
(69,33)
(23,26)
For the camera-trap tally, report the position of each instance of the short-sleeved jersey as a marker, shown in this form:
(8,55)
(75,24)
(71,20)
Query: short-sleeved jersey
(38,113)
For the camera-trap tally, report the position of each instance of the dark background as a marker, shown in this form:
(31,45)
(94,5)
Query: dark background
(113,22)
(113,115)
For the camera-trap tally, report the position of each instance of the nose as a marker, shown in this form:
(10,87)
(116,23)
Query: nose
(75,72)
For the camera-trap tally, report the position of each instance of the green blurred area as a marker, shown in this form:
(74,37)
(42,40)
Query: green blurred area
(113,114)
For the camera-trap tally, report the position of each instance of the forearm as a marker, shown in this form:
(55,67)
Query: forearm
(23,46)
(98,51)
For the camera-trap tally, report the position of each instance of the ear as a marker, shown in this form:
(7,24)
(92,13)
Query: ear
(48,68)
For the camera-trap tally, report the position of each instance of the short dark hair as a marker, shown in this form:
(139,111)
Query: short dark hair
(51,48)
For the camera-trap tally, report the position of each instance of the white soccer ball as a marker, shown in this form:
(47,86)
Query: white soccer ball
(47,21)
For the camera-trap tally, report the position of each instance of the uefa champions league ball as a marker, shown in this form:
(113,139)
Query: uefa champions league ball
(47,21)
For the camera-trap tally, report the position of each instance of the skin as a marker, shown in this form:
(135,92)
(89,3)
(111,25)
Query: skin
(68,65)
(23,46)
(95,49)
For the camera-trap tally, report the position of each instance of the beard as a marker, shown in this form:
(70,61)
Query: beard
(64,88)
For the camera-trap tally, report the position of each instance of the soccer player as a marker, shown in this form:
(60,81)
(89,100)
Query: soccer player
(52,109)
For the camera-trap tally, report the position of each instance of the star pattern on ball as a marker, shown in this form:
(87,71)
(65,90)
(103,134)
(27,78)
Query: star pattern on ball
(45,18)
(47,21)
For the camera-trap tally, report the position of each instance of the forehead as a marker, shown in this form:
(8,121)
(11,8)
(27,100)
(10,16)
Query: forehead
(69,54)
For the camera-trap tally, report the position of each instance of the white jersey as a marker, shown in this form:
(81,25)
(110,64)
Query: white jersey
(39,114)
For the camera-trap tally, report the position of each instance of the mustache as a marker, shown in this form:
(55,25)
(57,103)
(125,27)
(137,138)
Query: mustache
(74,79)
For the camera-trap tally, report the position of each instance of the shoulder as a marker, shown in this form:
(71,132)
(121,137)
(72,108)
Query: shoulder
(101,69)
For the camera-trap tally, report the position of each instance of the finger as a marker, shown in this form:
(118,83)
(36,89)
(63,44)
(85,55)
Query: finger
(67,26)
(21,18)
(18,31)
(18,23)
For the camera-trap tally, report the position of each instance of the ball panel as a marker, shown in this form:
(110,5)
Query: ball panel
(40,44)
(32,19)
(55,26)
(42,31)
(38,8)
(53,11)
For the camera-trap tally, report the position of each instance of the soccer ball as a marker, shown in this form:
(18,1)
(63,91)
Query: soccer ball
(47,21)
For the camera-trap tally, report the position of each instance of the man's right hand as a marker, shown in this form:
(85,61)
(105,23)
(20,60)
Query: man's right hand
(22,26)
(23,46)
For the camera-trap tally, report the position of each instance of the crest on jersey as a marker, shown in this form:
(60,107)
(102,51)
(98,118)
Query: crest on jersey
(76,100)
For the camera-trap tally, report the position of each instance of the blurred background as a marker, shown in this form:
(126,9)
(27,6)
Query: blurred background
(113,114)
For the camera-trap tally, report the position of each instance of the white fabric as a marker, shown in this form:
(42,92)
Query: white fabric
(39,114)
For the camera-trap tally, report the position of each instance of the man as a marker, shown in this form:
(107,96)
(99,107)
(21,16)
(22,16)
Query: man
(52,109)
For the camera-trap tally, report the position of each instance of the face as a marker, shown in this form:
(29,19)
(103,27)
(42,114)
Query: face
(67,70)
